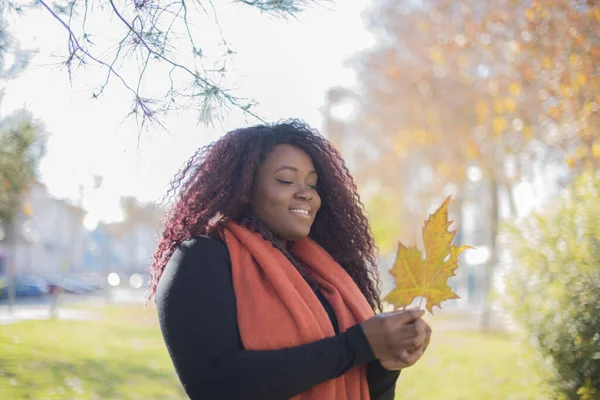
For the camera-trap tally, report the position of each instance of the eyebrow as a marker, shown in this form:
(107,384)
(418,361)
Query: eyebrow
(289,167)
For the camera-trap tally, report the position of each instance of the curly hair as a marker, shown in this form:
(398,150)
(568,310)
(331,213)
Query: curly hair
(216,183)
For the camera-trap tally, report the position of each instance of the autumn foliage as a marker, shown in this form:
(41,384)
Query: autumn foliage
(495,84)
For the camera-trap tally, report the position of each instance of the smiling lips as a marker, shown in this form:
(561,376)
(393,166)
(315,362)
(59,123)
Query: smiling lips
(302,212)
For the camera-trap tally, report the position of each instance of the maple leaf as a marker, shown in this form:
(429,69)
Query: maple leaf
(427,278)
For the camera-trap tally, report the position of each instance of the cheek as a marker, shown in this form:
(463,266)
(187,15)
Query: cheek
(276,199)
(279,196)
(317,202)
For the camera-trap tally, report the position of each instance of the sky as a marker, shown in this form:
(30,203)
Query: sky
(287,65)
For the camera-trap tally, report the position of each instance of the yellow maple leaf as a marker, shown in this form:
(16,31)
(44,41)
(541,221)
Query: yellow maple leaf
(427,278)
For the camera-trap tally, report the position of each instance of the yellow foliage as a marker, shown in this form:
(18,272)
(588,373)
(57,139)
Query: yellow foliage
(482,109)
(514,89)
(444,170)
(596,149)
(498,124)
(472,149)
(554,112)
(547,62)
(566,91)
(499,106)
(574,59)
(437,56)
(28,209)
(581,79)
(424,26)
(587,392)
(530,14)
(400,148)
(423,137)
(510,104)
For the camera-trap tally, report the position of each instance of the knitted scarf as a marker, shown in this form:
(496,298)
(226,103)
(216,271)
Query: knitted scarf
(276,307)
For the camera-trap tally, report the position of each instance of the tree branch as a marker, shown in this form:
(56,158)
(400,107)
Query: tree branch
(151,33)
(280,7)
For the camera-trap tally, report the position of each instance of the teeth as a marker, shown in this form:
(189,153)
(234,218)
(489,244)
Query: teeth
(301,212)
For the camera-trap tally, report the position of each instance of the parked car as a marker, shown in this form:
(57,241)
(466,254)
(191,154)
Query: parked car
(67,285)
(26,286)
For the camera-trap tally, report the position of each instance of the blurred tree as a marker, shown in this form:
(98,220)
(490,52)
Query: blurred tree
(501,87)
(140,213)
(160,38)
(22,145)
(554,292)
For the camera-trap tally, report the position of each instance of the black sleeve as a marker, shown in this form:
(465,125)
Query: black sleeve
(197,314)
(382,382)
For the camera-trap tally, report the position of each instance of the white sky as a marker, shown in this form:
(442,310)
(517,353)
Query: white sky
(287,65)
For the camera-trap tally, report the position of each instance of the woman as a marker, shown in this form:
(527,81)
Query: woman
(265,277)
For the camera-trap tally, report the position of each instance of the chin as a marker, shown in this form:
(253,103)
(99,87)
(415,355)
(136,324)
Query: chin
(297,235)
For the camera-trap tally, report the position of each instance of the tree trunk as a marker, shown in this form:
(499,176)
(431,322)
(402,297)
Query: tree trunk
(10,265)
(512,204)
(486,316)
(105,260)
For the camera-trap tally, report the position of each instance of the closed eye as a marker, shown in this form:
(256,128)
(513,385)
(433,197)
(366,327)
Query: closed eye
(284,182)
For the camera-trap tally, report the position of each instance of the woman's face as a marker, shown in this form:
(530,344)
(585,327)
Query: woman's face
(285,197)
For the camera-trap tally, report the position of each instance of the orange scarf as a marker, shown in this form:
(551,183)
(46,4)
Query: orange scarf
(277,309)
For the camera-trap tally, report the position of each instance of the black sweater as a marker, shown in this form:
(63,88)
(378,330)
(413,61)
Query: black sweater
(197,314)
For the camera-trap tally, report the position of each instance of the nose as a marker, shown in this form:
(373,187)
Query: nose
(304,193)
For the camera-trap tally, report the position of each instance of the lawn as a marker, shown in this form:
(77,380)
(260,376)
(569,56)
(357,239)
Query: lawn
(472,365)
(122,356)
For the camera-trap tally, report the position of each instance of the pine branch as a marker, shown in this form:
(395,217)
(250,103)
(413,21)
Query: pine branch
(279,7)
(151,34)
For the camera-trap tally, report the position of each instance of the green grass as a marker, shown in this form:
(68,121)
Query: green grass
(122,356)
(473,365)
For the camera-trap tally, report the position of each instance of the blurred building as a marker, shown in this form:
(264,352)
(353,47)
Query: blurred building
(127,246)
(50,235)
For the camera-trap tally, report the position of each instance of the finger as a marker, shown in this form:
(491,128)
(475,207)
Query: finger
(428,332)
(415,329)
(403,356)
(420,326)
(428,339)
(406,359)
(414,356)
(409,357)
(410,342)
(405,317)
(427,327)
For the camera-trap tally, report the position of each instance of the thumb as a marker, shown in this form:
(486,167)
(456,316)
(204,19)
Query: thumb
(408,316)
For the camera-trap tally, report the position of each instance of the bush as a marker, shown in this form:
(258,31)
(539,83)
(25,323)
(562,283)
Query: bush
(553,288)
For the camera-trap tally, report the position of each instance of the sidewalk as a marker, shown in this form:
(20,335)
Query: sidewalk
(70,307)
(461,320)
(41,312)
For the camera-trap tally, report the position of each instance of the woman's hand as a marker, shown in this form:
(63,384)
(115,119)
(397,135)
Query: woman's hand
(409,357)
(399,337)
